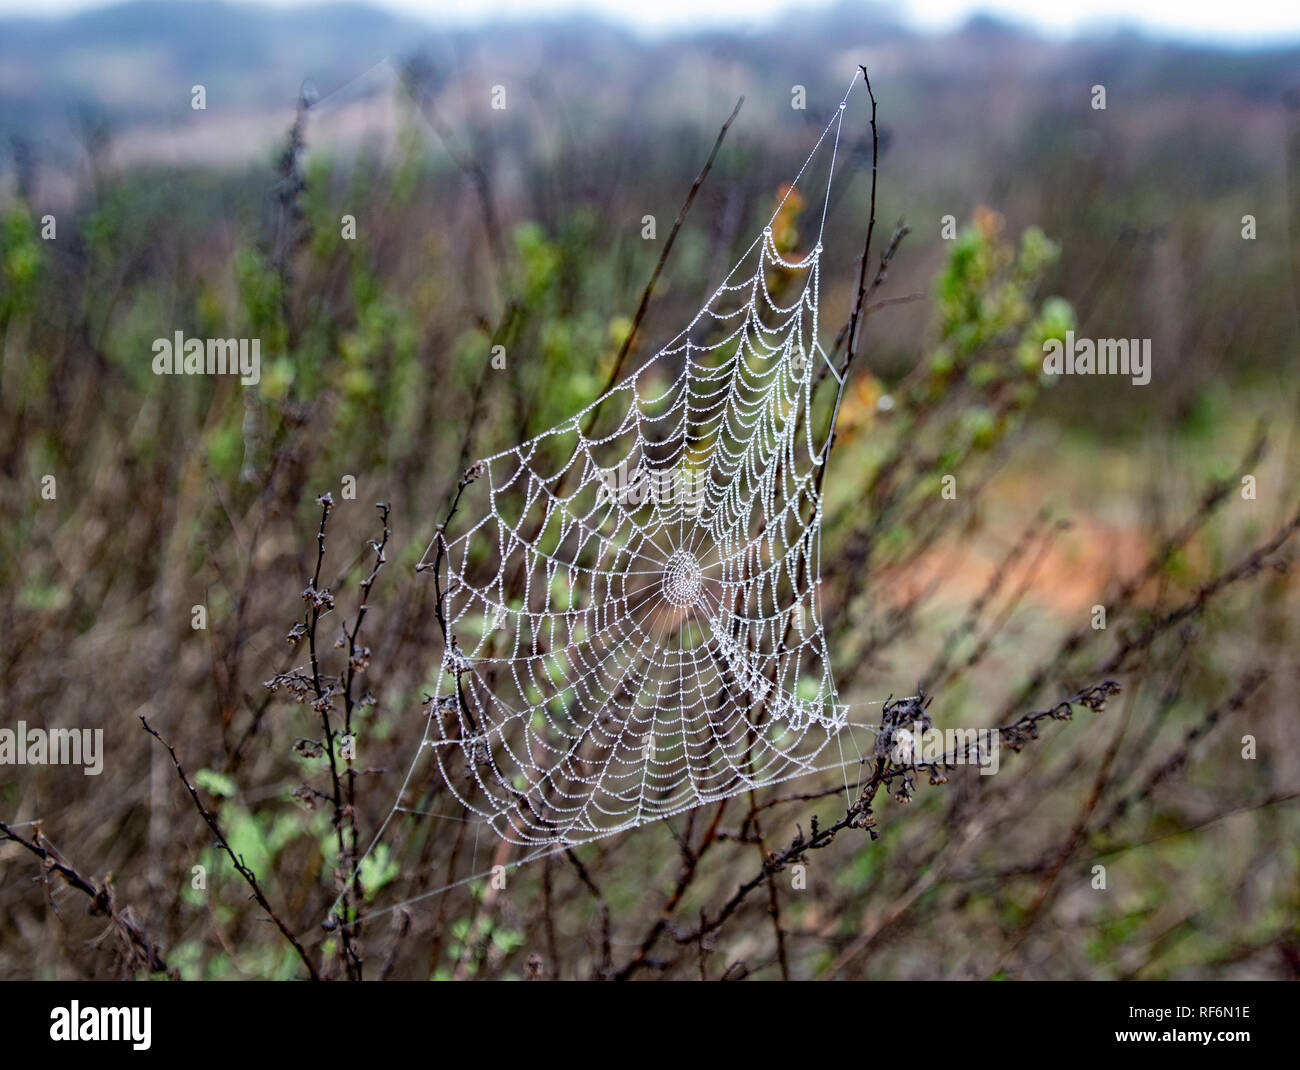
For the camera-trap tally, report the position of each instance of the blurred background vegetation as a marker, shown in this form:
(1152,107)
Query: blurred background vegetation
(522,227)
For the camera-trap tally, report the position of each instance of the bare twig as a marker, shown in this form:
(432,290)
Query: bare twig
(210,819)
(143,949)
(624,349)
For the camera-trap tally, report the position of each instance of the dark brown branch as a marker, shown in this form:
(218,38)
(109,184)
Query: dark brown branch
(320,603)
(101,901)
(210,819)
(859,815)
(684,879)
(606,952)
(856,318)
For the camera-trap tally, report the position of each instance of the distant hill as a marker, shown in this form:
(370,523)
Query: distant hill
(127,70)
(138,60)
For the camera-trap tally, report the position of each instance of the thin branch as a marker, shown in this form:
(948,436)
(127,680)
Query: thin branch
(210,819)
(858,815)
(856,317)
(606,954)
(101,900)
(626,347)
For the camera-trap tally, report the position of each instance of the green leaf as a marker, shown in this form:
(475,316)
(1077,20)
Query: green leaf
(215,783)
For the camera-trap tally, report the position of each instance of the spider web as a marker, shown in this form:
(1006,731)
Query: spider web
(631,610)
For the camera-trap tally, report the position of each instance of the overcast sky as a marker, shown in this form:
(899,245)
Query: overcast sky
(1237,21)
